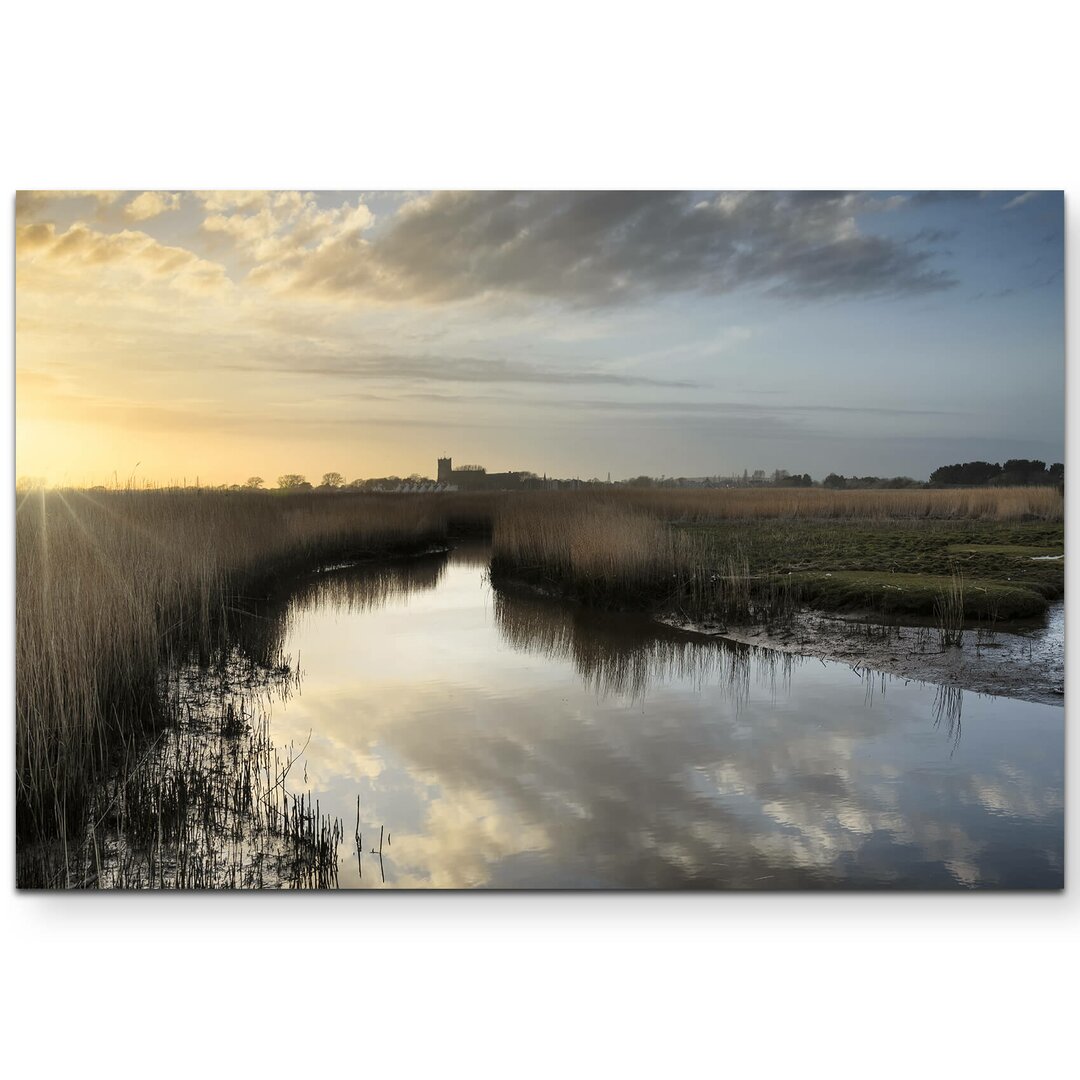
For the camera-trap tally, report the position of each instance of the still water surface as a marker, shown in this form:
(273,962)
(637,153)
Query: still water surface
(511,742)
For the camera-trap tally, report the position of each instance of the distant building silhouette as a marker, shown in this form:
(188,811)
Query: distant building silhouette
(477,478)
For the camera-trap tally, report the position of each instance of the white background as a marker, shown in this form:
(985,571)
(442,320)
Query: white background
(793,95)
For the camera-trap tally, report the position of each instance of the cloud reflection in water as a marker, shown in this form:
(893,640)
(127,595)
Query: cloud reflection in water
(513,741)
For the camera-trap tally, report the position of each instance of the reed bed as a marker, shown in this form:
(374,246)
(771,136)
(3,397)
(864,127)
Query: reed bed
(724,504)
(204,803)
(617,548)
(610,552)
(110,586)
(949,610)
(601,545)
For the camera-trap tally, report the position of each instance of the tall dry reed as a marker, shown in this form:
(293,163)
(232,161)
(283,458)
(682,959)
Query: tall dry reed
(949,609)
(610,550)
(109,584)
(725,504)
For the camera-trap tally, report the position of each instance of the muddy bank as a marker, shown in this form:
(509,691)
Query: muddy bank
(1027,663)
(1023,661)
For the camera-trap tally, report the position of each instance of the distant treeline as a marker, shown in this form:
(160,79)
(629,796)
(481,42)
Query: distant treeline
(835,482)
(1016,472)
(331,481)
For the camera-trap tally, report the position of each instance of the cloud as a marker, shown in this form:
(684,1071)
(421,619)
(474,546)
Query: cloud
(455,369)
(201,417)
(151,203)
(82,250)
(279,227)
(30,203)
(930,198)
(735,408)
(1027,196)
(595,248)
(241,201)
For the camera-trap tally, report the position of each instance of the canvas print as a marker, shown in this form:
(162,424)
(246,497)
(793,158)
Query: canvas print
(539,540)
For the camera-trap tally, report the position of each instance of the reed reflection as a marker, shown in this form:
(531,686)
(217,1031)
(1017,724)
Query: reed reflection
(256,628)
(351,590)
(620,655)
(947,710)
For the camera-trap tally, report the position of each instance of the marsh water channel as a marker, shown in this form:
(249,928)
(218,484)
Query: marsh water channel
(485,739)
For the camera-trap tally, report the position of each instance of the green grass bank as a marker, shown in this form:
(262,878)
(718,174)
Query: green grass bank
(1008,570)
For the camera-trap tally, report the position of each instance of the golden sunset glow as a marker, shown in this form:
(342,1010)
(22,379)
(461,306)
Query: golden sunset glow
(134,353)
(168,337)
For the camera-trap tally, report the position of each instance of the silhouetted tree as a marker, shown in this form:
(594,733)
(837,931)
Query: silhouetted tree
(293,482)
(970,473)
(254,482)
(377,483)
(332,480)
(782,478)
(1023,471)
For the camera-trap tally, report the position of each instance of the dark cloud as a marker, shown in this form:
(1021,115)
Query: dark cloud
(930,198)
(741,408)
(456,369)
(591,248)
(934,236)
(676,408)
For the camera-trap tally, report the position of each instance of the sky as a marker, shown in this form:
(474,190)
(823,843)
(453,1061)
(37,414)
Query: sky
(167,337)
